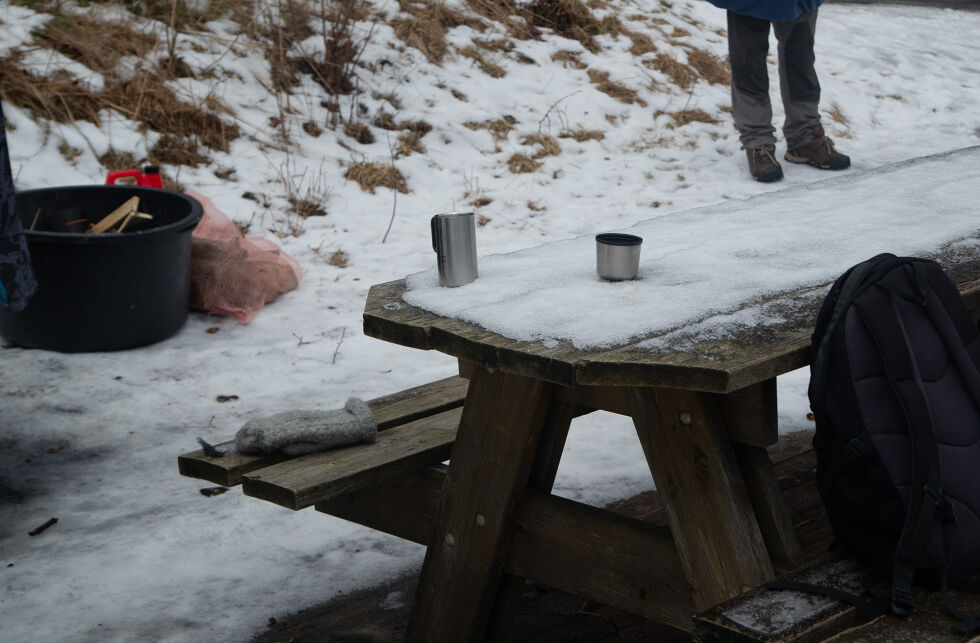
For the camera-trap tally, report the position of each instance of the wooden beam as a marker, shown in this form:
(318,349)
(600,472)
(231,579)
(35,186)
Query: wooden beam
(691,459)
(593,553)
(502,423)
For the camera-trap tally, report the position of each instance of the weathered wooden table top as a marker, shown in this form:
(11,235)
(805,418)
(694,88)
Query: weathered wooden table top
(747,356)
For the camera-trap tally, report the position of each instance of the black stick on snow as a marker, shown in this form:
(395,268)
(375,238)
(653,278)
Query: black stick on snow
(37,530)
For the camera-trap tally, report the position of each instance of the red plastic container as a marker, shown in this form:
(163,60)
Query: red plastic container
(148,178)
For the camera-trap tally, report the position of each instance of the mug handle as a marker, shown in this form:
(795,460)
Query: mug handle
(435,234)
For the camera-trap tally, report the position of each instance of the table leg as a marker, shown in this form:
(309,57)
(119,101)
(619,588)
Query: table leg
(507,603)
(711,518)
(502,422)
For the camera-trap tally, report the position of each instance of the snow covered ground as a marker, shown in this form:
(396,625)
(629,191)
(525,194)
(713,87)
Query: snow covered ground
(138,553)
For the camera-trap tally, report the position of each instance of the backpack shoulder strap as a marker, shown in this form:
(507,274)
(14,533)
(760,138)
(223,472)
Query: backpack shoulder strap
(925,495)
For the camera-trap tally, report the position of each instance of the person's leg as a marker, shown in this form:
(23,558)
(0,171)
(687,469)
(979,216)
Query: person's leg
(748,46)
(800,90)
(798,82)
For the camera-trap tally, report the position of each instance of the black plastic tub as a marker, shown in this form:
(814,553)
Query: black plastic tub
(103,292)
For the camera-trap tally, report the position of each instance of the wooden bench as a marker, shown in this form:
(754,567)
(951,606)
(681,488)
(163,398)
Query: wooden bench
(416,428)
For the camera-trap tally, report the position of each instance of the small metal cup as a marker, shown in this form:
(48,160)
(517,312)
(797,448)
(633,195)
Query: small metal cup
(617,256)
(454,240)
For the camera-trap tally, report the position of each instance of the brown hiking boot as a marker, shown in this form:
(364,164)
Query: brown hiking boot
(819,152)
(763,165)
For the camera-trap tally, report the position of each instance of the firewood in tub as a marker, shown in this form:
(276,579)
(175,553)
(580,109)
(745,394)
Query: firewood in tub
(127,209)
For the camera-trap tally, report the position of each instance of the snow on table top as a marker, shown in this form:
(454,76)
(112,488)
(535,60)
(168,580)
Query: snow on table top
(714,262)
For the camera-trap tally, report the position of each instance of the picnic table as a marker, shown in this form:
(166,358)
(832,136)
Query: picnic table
(704,414)
(704,418)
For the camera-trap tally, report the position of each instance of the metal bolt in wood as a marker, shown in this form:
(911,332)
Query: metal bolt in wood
(480,520)
(685,418)
(450,540)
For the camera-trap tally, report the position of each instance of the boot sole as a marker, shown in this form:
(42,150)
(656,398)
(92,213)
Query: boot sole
(802,160)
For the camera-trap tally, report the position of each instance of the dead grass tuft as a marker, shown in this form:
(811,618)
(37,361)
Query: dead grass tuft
(172,150)
(500,127)
(306,208)
(568,18)
(547,145)
(490,69)
(339,259)
(642,44)
(508,13)
(568,59)
(97,44)
(621,93)
(710,67)
(685,116)
(677,72)
(58,96)
(426,27)
(385,120)
(582,135)
(359,132)
(148,101)
(522,164)
(376,175)
(409,142)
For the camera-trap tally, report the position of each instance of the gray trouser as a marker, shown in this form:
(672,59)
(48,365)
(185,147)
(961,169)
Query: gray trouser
(748,46)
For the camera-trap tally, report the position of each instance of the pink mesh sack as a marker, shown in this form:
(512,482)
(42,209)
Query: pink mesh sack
(232,274)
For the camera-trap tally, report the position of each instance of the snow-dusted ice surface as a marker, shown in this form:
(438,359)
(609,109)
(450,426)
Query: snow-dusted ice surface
(138,553)
(715,260)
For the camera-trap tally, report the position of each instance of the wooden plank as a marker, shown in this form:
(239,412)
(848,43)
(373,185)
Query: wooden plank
(390,410)
(594,553)
(306,480)
(769,507)
(404,506)
(127,209)
(502,422)
(715,531)
(751,414)
(507,602)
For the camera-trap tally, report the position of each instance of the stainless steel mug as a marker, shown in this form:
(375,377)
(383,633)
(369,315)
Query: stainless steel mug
(454,240)
(617,256)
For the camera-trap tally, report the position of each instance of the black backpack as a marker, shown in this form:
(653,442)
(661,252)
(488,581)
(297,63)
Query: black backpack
(895,394)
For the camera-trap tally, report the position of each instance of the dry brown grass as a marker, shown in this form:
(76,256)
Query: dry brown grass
(522,164)
(306,208)
(371,176)
(500,127)
(99,45)
(611,88)
(58,96)
(546,144)
(334,68)
(171,150)
(359,132)
(147,100)
(677,72)
(568,18)
(642,44)
(582,135)
(508,13)
(339,259)
(685,116)
(710,67)
(490,69)
(568,59)
(426,27)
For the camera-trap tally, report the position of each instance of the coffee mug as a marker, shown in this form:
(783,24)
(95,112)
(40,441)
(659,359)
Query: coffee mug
(617,256)
(454,240)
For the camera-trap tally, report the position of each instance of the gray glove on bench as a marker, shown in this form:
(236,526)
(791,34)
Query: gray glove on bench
(299,432)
